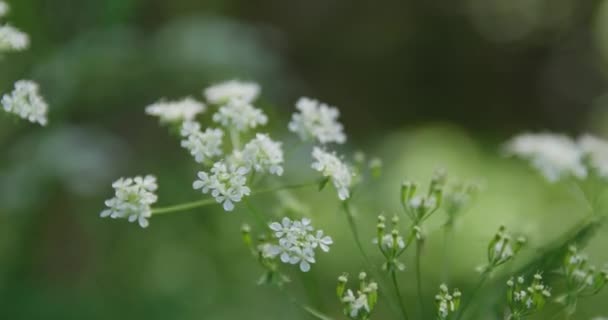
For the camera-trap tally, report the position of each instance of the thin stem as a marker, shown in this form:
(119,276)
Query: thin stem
(419,279)
(399,297)
(447,232)
(210,201)
(484,277)
(235,139)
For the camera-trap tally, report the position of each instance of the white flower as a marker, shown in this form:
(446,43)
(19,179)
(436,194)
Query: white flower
(176,111)
(263,154)
(555,156)
(226,91)
(317,120)
(4,8)
(227,184)
(387,242)
(26,102)
(12,39)
(132,199)
(202,145)
(297,241)
(240,115)
(596,151)
(331,166)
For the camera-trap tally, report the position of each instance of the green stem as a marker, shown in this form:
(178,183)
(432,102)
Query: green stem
(419,279)
(210,201)
(399,297)
(310,310)
(235,139)
(484,277)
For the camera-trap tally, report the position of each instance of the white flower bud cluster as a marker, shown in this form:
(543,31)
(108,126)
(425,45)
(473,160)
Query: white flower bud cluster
(333,168)
(222,93)
(132,199)
(318,121)
(524,301)
(297,241)
(391,244)
(226,182)
(26,102)
(203,146)
(240,115)
(595,151)
(262,154)
(502,249)
(11,38)
(358,306)
(447,303)
(176,111)
(584,279)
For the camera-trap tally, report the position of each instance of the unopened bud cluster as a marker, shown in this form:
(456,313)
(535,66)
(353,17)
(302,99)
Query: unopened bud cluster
(447,303)
(583,279)
(421,207)
(525,299)
(457,199)
(358,304)
(391,244)
(502,249)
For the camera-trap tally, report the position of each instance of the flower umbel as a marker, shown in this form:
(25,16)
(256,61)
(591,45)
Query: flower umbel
(502,249)
(361,305)
(176,111)
(524,301)
(595,151)
(226,183)
(262,154)
(202,145)
(221,93)
(297,241)
(240,115)
(447,303)
(132,199)
(12,39)
(333,168)
(392,245)
(26,102)
(318,121)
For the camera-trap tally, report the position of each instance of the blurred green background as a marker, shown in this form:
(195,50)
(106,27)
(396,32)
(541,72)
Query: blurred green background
(423,84)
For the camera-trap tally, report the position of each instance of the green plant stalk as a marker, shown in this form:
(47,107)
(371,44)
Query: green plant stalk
(210,201)
(465,306)
(419,279)
(399,297)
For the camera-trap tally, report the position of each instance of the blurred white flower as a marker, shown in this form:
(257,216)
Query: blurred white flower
(555,156)
(4,8)
(13,39)
(132,199)
(240,115)
(263,154)
(332,167)
(227,183)
(297,241)
(596,151)
(176,111)
(202,145)
(317,120)
(26,102)
(356,304)
(223,92)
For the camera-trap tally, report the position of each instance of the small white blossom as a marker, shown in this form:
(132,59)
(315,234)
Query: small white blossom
(13,39)
(387,242)
(202,145)
(317,120)
(555,156)
(596,151)
(26,102)
(4,8)
(263,154)
(240,115)
(226,91)
(226,182)
(176,111)
(132,199)
(332,167)
(297,241)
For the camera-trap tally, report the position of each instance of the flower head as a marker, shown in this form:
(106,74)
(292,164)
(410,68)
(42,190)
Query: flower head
(4,8)
(202,145)
(223,92)
(263,154)
(226,183)
(524,301)
(132,199)
(360,305)
(297,242)
(26,102)
(317,120)
(12,39)
(596,152)
(176,111)
(555,156)
(240,115)
(447,303)
(333,168)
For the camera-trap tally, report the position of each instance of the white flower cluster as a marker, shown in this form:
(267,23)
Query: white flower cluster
(262,154)
(222,93)
(240,115)
(332,167)
(226,183)
(11,38)
(176,111)
(502,249)
(317,120)
(447,303)
(202,145)
(297,241)
(361,305)
(132,199)
(595,150)
(26,102)
(527,300)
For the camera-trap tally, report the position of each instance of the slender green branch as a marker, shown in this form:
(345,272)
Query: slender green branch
(210,201)
(484,277)
(235,139)
(399,297)
(419,279)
